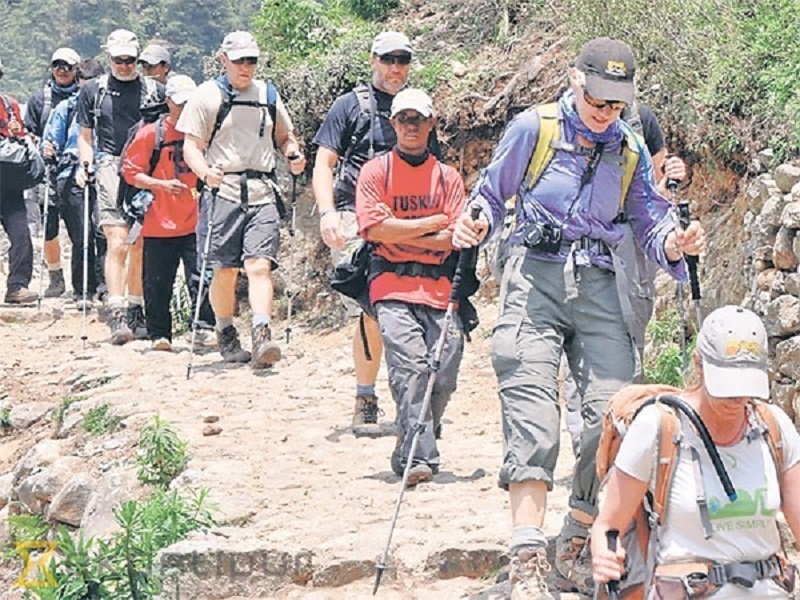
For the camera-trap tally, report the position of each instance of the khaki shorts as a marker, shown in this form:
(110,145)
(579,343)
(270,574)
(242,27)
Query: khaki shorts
(352,239)
(107,175)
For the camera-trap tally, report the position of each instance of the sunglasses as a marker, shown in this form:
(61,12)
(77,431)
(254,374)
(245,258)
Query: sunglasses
(247,60)
(124,60)
(62,66)
(395,59)
(601,104)
(415,119)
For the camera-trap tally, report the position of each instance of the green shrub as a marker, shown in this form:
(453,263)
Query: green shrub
(373,10)
(100,420)
(66,402)
(663,360)
(162,454)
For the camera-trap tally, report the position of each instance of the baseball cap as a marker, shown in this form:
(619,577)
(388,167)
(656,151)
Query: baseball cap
(733,346)
(391,41)
(122,42)
(68,55)
(180,88)
(240,44)
(154,54)
(412,99)
(610,69)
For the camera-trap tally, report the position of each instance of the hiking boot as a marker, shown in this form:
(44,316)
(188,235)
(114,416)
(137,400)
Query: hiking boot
(365,416)
(574,558)
(420,473)
(230,347)
(21,296)
(136,323)
(265,352)
(529,570)
(120,332)
(162,344)
(56,287)
(79,303)
(398,463)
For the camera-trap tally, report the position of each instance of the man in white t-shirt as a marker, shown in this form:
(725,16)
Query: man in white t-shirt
(232,144)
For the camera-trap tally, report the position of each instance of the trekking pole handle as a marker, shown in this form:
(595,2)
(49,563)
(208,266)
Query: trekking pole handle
(685,218)
(465,258)
(612,537)
(672,185)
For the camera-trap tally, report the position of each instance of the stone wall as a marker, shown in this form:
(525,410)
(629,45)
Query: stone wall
(772,257)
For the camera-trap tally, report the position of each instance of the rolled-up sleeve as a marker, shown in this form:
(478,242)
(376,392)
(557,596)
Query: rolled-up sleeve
(503,177)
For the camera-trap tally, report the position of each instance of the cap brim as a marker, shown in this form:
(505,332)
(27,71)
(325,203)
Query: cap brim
(399,109)
(735,382)
(381,50)
(150,59)
(246,53)
(123,51)
(182,97)
(604,89)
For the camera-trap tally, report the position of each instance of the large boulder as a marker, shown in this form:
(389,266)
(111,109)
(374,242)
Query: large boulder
(773,209)
(115,487)
(41,455)
(70,503)
(786,177)
(790,217)
(23,416)
(37,491)
(783,256)
(783,316)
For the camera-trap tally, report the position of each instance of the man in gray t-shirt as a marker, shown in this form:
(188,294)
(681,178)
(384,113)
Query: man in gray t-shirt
(232,143)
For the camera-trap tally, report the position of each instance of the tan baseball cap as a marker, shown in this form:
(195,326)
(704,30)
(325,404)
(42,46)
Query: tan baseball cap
(412,99)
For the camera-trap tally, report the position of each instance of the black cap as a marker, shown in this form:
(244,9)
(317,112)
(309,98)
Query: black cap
(609,67)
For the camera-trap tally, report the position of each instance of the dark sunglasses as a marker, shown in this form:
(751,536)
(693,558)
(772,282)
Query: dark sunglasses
(416,119)
(395,59)
(126,60)
(601,104)
(247,60)
(62,66)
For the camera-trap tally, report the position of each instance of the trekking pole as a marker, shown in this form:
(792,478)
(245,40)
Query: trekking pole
(203,265)
(685,218)
(292,228)
(612,587)
(672,186)
(465,258)
(42,260)
(85,265)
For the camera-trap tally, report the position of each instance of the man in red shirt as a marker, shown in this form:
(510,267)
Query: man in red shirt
(406,205)
(170,221)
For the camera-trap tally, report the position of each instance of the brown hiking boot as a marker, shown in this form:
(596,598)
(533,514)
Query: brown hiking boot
(21,296)
(230,347)
(574,559)
(365,417)
(420,473)
(529,570)
(265,352)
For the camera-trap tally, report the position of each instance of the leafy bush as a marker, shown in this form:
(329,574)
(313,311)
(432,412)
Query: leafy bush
(100,420)
(66,402)
(162,454)
(663,361)
(374,10)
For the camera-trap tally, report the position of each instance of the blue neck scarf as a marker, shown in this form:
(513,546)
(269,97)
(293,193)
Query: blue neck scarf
(66,90)
(567,105)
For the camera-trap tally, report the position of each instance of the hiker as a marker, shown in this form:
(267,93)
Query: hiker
(559,293)
(355,129)
(60,145)
(238,157)
(108,107)
(406,204)
(637,278)
(155,61)
(61,84)
(170,221)
(13,215)
(728,549)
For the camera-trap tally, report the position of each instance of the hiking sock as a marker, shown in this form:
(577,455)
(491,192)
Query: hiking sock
(573,528)
(365,389)
(56,266)
(135,300)
(222,324)
(527,536)
(115,302)
(259,320)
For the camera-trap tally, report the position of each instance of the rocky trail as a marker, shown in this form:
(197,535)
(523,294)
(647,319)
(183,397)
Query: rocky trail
(303,507)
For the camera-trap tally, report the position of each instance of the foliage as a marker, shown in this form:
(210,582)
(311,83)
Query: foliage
(123,567)
(100,420)
(663,361)
(66,402)
(162,454)
(5,417)
(374,10)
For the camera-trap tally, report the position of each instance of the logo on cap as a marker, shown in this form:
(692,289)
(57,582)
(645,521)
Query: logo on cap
(616,68)
(747,349)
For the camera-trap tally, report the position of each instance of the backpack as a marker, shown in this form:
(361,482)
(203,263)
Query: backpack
(47,105)
(547,143)
(640,539)
(267,98)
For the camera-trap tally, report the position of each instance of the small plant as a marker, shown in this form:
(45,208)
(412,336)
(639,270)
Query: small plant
(100,420)
(162,454)
(5,418)
(663,361)
(66,402)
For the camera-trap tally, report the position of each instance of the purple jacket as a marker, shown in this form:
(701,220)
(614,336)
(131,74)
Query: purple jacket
(592,215)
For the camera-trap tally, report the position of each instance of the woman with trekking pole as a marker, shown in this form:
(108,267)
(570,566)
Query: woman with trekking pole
(702,542)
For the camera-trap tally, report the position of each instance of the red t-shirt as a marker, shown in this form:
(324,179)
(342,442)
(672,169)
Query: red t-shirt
(169,215)
(408,192)
(4,117)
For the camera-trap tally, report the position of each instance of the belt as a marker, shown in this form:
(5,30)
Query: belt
(268,177)
(591,245)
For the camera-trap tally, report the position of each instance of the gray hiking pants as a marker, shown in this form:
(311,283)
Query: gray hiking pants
(537,323)
(410,333)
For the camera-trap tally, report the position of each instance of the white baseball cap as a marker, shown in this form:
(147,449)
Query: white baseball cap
(180,88)
(154,54)
(733,346)
(122,42)
(391,41)
(240,44)
(68,55)
(412,99)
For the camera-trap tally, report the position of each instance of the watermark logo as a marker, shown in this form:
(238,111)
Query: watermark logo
(36,564)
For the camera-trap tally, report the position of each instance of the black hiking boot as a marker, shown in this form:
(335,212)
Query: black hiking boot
(120,332)
(136,322)
(56,287)
(265,352)
(230,347)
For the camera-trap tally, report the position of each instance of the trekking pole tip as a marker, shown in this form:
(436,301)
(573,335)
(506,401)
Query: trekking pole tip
(378,574)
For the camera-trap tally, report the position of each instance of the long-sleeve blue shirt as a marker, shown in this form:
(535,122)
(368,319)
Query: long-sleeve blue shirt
(592,213)
(63,134)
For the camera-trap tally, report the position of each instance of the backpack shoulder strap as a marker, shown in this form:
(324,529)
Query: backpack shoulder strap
(224,108)
(630,160)
(667,456)
(155,156)
(271,93)
(772,433)
(48,103)
(549,132)
(364,125)
(99,97)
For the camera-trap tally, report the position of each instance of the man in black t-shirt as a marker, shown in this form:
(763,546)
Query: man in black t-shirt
(107,108)
(357,128)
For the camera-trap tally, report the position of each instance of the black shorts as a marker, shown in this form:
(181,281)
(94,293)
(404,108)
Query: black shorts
(240,232)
